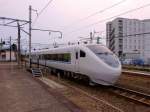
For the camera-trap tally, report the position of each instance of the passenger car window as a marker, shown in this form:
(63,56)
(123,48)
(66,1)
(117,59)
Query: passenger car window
(66,57)
(82,53)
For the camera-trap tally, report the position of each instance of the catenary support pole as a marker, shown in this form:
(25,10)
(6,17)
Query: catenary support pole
(10,47)
(91,37)
(19,36)
(30,28)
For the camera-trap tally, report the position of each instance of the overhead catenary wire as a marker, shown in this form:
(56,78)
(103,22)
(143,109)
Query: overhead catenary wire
(95,32)
(98,12)
(109,18)
(45,46)
(42,10)
(45,7)
(127,35)
(133,35)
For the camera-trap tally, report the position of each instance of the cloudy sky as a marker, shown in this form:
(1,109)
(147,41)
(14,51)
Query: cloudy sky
(68,16)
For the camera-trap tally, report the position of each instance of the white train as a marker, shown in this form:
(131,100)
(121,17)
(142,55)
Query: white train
(95,61)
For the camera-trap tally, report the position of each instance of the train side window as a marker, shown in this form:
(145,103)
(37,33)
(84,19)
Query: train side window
(40,56)
(76,55)
(82,53)
(67,57)
(44,56)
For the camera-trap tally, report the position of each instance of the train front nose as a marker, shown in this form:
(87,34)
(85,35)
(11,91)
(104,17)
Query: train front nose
(114,74)
(107,75)
(114,68)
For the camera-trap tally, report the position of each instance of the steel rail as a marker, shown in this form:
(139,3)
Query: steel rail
(136,73)
(91,96)
(132,94)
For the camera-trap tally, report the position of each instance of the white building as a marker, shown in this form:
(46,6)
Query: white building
(129,38)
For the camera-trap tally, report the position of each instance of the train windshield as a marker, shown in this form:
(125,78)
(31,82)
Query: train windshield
(105,54)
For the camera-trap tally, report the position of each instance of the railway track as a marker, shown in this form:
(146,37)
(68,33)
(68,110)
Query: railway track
(131,94)
(139,74)
(124,92)
(92,96)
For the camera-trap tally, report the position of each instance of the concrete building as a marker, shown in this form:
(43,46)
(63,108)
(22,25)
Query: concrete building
(129,38)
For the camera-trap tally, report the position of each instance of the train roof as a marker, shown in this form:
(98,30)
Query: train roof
(66,47)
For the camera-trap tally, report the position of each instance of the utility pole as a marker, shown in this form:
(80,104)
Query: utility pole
(0,48)
(30,28)
(19,36)
(10,47)
(1,44)
(91,37)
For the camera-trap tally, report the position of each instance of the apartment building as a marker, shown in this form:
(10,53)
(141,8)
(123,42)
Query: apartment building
(129,38)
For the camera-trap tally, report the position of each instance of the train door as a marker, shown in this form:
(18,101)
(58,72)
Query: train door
(76,60)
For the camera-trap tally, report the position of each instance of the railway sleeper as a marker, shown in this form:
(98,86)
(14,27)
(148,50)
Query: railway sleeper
(142,99)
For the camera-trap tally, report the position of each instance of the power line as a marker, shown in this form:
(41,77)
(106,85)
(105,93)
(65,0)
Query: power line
(42,10)
(95,13)
(121,37)
(45,7)
(95,32)
(134,35)
(103,20)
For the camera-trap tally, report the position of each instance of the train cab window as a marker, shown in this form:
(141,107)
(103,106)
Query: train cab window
(82,53)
